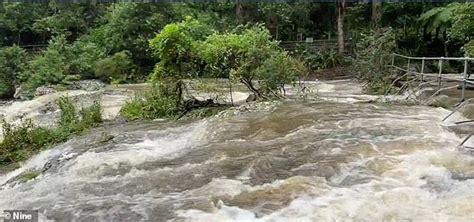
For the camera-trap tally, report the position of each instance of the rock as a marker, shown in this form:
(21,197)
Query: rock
(440,101)
(88,85)
(251,98)
(44,90)
(20,94)
(468,110)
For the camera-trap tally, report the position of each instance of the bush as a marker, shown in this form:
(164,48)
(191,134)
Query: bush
(23,140)
(373,51)
(468,49)
(176,48)
(188,50)
(317,60)
(150,105)
(49,67)
(116,69)
(12,64)
(73,122)
(278,70)
(84,55)
(61,62)
(20,142)
(247,56)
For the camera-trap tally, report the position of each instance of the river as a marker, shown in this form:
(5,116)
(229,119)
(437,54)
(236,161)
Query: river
(297,160)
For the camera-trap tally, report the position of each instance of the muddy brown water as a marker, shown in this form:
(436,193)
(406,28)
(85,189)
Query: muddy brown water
(294,161)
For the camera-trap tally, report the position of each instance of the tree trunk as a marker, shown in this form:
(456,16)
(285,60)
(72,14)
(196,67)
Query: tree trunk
(277,33)
(340,25)
(239,12)
(249,85)
(376,13)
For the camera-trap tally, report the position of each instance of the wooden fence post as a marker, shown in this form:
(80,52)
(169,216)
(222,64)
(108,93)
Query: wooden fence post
(230,92)
(464,81)
(440,65)
(422,69)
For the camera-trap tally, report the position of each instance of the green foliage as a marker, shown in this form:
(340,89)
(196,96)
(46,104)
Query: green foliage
(372,57)
(150,105)
(117,68)
(72,122)
(17,20)
(468,49)
(455,21)
(82,56)
(175,47)
(276,71)
(65,19)
(248,55)
(438,19)
(318,60)
(21,141)
(61,62)
(49,67)
(25,139)
(12,63)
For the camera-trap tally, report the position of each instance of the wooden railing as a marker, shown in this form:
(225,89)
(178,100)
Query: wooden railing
(462,77)
(319,44)
(439,76)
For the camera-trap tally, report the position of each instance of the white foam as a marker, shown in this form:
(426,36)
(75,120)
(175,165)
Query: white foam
(150,149)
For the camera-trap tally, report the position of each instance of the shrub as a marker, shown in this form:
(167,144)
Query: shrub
(468,49)
(12,64)
(49,67)
(188,50)
(150,105)
(117,68)
(175,47)
(62,62)
(72,122)
(318,60)
(21,141)
(373,51)
(278,70)
(25,139)
(247,56)
(84,55)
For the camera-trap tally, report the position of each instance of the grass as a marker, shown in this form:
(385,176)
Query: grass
(23,140)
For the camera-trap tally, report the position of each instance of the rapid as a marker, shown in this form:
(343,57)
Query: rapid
(336,157)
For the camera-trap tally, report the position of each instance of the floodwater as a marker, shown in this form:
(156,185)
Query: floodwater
(300,160)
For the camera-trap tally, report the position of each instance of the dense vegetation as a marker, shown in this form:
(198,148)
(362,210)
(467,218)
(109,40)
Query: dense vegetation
(45,44)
